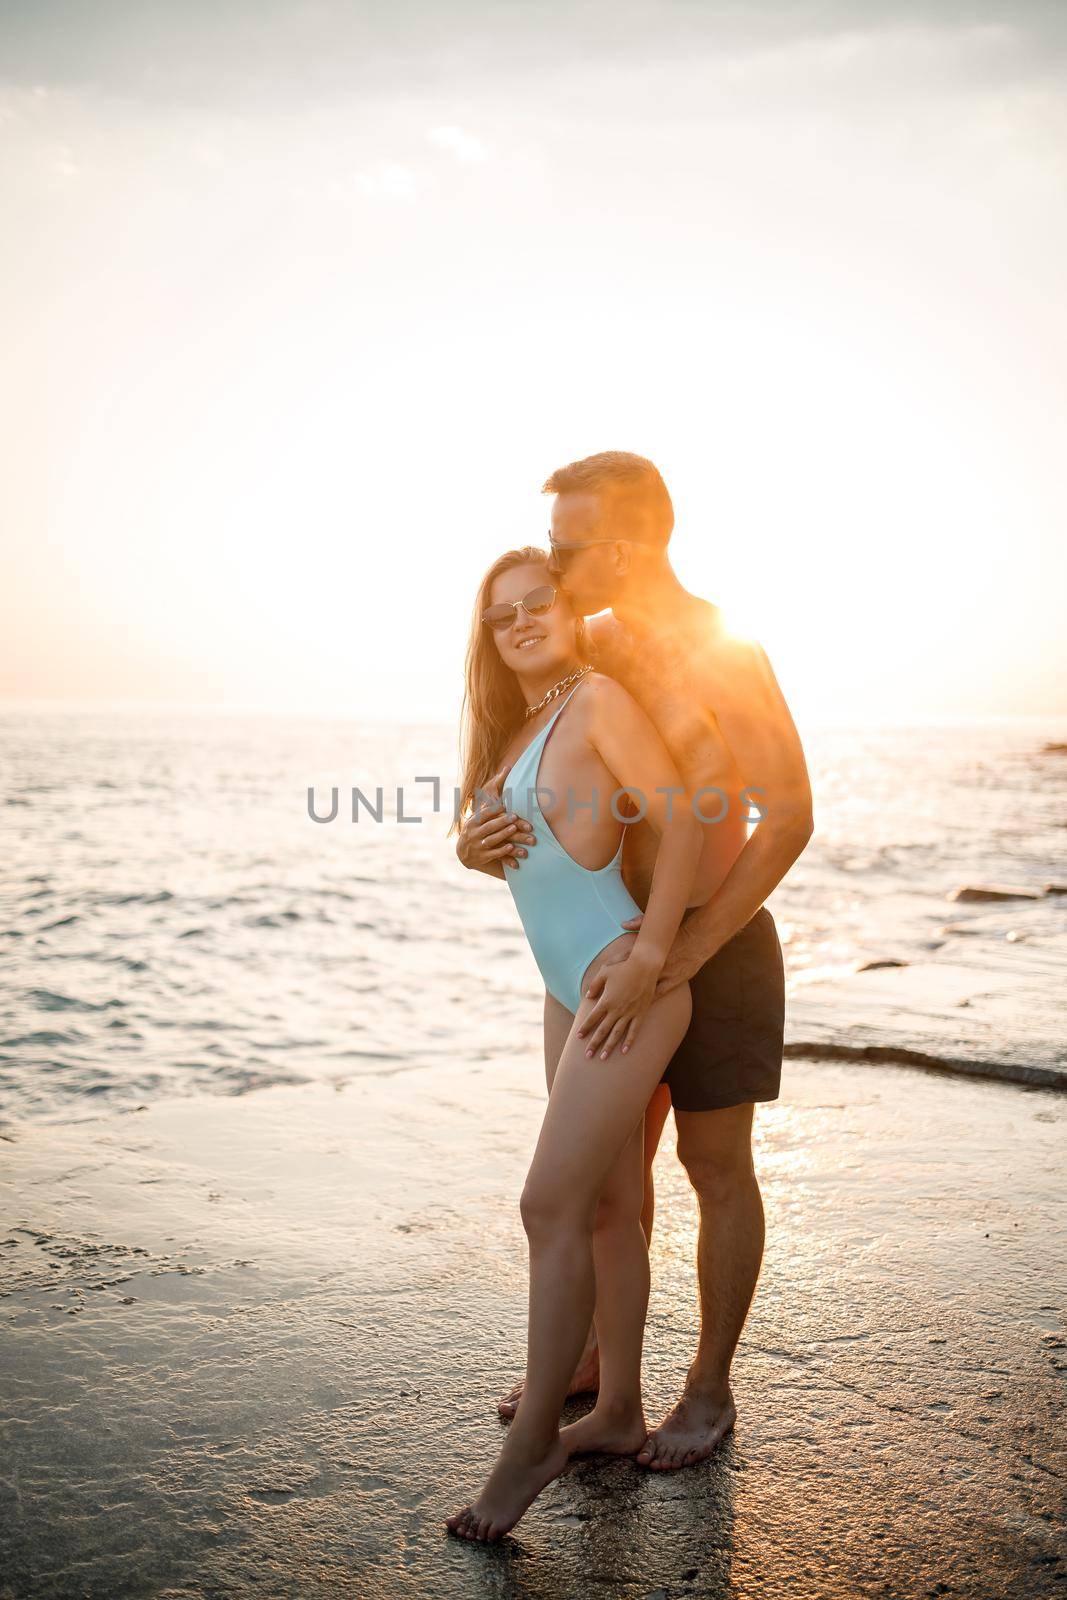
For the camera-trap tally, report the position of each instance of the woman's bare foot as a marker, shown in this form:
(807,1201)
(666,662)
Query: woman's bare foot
(697,1425)
(613,1430)
(510,1489)
(586,1380)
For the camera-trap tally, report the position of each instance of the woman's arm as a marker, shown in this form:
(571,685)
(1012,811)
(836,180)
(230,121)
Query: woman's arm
(631,748)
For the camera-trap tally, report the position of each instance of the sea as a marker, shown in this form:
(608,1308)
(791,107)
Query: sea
(183,910)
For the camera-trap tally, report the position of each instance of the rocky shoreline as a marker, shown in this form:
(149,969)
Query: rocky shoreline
(986,1001)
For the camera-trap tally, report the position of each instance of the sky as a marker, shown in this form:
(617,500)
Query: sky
(300,303)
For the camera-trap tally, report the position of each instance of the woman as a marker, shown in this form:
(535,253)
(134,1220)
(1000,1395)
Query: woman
(538,718)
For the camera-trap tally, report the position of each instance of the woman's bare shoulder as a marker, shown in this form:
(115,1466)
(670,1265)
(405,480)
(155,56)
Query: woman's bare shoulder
(605,697)
(602,684)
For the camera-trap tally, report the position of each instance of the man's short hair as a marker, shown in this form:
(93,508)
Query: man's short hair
(631,486)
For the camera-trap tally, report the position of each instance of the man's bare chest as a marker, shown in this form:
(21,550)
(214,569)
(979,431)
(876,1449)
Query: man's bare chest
(660,678)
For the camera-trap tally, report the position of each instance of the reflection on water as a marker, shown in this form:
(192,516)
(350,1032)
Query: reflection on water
(172,919)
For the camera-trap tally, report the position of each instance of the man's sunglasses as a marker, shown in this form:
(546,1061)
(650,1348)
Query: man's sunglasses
(535,604)
(561,552)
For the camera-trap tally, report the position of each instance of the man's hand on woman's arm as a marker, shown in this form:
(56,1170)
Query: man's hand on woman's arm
(493,838)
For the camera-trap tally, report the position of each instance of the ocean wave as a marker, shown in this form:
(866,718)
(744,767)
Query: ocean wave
(48,1000)
(203,936)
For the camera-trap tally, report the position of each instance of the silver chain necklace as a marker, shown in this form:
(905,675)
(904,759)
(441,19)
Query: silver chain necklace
(557,688)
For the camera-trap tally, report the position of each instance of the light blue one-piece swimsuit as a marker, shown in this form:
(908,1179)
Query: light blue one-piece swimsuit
(569,912)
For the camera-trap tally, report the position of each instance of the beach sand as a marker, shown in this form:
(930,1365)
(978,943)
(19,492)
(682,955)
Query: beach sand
(253,1345)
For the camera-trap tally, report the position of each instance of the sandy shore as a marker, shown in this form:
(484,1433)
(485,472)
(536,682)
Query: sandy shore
(253,1344)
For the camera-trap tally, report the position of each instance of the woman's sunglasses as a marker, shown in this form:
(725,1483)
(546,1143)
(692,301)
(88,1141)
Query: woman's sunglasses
(535,604)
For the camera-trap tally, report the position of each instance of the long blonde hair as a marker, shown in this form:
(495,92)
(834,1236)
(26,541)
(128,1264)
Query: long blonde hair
(493,703)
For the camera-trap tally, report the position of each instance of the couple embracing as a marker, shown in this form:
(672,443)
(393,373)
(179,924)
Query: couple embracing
(632,734)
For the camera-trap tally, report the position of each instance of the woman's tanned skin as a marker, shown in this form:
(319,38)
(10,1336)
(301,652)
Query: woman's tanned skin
(582,1202)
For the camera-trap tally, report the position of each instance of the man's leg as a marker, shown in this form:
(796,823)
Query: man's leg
(731,1057)
(715,1147)
(655,1116)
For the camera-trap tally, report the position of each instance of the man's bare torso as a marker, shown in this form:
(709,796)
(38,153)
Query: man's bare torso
(658,670)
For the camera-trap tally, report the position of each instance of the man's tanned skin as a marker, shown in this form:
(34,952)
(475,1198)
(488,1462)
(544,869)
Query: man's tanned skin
(718,707)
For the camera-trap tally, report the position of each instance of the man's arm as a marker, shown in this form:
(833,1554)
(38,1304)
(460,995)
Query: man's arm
(736,680)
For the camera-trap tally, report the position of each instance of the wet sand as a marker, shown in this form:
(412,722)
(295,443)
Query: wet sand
(253,1346)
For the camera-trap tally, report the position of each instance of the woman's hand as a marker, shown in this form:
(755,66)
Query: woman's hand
(626,988)
(491,834)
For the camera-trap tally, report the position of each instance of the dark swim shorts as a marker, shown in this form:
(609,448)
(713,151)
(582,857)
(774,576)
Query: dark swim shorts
(732,1052)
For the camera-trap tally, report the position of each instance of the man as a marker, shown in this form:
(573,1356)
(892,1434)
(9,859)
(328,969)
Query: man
(719,710)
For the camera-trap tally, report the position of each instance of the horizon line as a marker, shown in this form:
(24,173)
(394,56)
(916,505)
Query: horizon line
(132,705)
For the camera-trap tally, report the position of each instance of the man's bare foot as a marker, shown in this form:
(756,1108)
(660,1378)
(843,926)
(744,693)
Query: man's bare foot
(510,1489)
(697,1425)
(586,1380)
(607,1430)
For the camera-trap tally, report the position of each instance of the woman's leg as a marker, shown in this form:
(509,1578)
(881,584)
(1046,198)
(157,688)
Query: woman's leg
(594,1109)
(558,1022)
(620,1257)
(621,1236)
(586,1376)
(620,1254)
